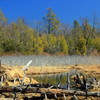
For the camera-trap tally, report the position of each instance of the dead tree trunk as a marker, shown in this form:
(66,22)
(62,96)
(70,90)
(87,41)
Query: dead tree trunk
(68,81)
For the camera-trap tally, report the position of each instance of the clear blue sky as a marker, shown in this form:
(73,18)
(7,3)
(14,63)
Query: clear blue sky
(66,10)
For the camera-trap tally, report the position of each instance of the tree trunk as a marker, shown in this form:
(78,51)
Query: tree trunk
(0,61)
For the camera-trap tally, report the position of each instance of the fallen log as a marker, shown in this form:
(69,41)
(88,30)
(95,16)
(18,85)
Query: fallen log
(58,92)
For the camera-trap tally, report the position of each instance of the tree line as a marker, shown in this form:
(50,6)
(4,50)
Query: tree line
(49,36)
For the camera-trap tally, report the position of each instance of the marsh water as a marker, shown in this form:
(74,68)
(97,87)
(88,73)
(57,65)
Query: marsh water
(54,79)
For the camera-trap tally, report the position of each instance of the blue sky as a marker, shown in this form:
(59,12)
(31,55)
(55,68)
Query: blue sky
(66,10)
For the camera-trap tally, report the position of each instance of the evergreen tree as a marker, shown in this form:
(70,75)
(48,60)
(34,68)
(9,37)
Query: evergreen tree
(81,47)
(77,31)
(52,22)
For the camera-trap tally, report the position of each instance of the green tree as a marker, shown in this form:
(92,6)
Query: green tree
(81,47)
(26,36)
(87,30)
(71,45)
(77,31)
(9,45)
(15,33)
(94,44)
(52,22)
(3,34)
(74,36)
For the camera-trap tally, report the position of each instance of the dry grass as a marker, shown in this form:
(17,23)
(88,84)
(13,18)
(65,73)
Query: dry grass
(17,72)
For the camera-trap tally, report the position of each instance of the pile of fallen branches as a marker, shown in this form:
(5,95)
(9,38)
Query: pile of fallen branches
(48,92)
(81,86)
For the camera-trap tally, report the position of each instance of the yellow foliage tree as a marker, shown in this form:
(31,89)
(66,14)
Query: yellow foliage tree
(62,44)
(38,45)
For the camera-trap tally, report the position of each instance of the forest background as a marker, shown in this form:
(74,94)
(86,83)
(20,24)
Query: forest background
(49,36)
